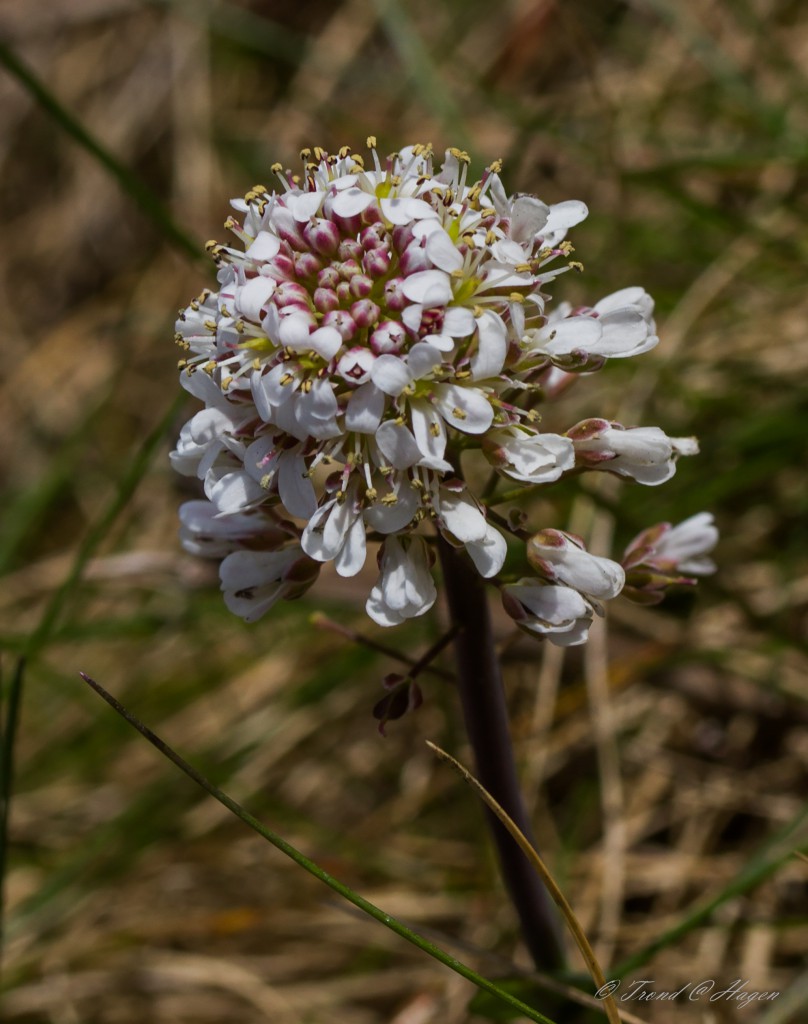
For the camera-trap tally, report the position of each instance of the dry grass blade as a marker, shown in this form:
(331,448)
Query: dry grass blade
(609,1004)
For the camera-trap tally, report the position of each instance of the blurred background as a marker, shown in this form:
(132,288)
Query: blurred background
(665,765)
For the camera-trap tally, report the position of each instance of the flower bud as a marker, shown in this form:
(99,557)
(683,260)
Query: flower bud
(388,337)
(364,312)
(322,236)
(376,263)
(343,321)
(361,286)
(307,264)
(325,299)
(349,249)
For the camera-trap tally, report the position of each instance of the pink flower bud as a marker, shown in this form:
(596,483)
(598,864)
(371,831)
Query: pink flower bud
(288,229)
(394,296)
(347,269)
(373,237)
(349,249)
(364,312)
(376,263)
(388,337)
(307,264)
(372,215)
(290,293)
(361,286)
(414,259)
(322,236)
(328,277)
(402,236)
(344,293)
(325,299)
(342,321)
(281,268)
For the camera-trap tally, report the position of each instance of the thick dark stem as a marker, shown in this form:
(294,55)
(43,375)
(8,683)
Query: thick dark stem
(486,719)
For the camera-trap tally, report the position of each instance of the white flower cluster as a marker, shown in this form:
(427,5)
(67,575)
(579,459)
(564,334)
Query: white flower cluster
(375,323)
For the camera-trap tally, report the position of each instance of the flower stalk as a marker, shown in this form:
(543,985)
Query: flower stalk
(486,720)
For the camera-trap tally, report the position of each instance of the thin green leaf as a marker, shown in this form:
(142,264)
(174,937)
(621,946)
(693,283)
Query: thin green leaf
(313,869)
(759,868)
(98,531)
(9,720)
(422,70)
(129,182)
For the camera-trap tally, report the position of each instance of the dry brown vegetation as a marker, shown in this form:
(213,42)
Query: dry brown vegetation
(665,765)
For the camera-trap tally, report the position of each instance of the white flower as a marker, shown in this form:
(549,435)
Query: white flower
(462,523)
(646,454)
(608,331)
(527,455)
(562,558)
(687,544)
(405,588)
(370,326)
(204,532)
(560,614)
(664,556)
(252,581)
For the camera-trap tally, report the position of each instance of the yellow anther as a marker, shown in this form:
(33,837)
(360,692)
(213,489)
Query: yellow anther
(181,364)
(287,378)
(495,167)
(226,383)
(371,494)
(575,265)
(305,153)
(516,297)
(266,481)
(389,499)
(434,429)
(458,413)
(371,142)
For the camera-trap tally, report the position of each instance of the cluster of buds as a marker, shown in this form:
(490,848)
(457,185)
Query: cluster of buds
(374,323)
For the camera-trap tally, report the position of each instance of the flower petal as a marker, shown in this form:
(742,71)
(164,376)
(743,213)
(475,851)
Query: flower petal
(428,287)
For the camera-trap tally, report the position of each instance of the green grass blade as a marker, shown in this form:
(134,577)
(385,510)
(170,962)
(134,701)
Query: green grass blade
(129,182)
(756,871)
(422,70)
(9,720)
(125,489)
(308,865)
